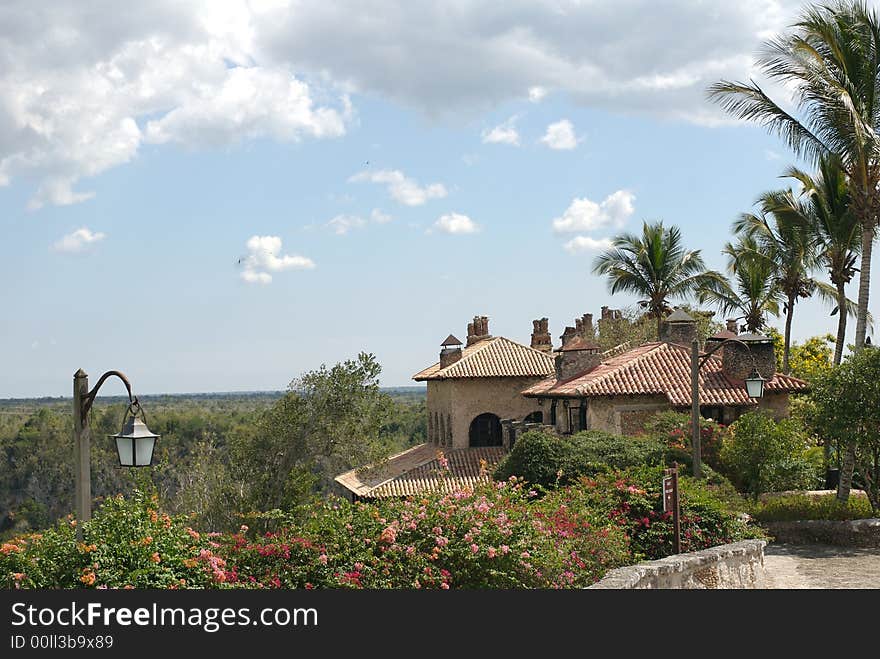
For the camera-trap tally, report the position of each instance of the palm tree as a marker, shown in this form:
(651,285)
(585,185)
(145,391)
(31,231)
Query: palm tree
(788,244)
(831,60)
(755,295)
(824,207)
(655,266)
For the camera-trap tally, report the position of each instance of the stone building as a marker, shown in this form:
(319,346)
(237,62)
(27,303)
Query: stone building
(620,393)
(480,396)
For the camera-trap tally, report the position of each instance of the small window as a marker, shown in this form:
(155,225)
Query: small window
(535,417)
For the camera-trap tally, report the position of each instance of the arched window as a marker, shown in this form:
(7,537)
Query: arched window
(535,417)
(485,430)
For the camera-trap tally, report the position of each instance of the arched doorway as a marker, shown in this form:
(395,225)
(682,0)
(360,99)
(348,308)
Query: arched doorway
(535,417)
(485,430)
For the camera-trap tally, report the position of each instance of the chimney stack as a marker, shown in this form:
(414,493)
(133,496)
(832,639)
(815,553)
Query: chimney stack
(679,328)
(575,357)
(732,325)
(451,351)
(736,360)
(478,329)
(541,339)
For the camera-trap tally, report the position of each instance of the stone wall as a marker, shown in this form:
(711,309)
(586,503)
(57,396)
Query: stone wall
(456,402)
(739,565)
(623,414)
(854,533)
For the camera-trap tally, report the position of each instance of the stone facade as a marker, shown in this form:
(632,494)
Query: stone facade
(453,404)
(737,359)
(541,339)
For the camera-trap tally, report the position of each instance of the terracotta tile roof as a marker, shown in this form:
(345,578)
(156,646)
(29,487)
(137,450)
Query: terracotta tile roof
(418,470)
(660,368)
(493,358)
(580,343)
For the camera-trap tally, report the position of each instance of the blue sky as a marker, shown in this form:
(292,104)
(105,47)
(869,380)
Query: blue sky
(383,175)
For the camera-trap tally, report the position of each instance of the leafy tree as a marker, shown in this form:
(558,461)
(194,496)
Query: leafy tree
(755,294)
(810,359)
(846,410)
(656,266)
(762,455)
(329,421)
(831,62)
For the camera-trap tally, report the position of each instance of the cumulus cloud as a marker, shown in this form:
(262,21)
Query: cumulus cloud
(264,256)
(537,94)
(82,89)
(504,133)
(78,241)
(402,189)
(342,224)
(560,136)
(455,223)
(586,215)
(586,244)
(379,217)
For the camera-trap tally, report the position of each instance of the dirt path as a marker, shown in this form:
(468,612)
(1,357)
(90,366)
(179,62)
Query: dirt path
(821,566)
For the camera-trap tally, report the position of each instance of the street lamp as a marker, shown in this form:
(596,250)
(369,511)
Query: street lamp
(134,443)
(754,388)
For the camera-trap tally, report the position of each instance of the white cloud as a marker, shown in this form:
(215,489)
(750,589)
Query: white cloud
(771,155)
(456,223)
(342,224)
(586,215)
(402,189)
(264,254)
(537,94)
(560,136)
(379,217)
(502,134)
(586,244)
(78,241)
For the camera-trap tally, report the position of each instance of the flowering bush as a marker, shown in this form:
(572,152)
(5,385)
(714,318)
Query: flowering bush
(674,430)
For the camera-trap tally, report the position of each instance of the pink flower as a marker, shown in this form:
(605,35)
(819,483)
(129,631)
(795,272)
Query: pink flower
(410,550)
(388,535)
(441,541)
(444,586)
(505,549)
(525,554)
(475,548)
(322,559)
(490,552)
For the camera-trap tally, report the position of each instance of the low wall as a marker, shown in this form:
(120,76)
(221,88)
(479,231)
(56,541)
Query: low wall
(737,565)
(854,533)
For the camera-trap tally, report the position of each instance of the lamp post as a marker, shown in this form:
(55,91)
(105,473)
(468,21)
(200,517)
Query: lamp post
(754,387)
(134,443)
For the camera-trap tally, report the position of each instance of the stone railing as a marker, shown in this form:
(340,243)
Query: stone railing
(737,565)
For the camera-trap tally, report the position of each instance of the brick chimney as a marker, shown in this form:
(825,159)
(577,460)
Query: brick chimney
(575,357)
(478,329)
(541,339)
(679,328)
(732,325)
(736,363)
(451,351)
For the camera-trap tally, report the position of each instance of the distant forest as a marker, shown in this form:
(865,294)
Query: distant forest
(219,453)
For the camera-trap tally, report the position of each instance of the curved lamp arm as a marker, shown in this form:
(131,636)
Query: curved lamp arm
(705,356)
(90,397)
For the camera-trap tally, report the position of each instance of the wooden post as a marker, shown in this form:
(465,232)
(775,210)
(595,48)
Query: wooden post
(82,453)
(695,409)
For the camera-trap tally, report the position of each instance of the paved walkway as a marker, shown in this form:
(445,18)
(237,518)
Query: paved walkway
(821,566)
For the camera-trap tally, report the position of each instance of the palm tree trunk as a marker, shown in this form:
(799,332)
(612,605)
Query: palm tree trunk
(786,350)
(864,281)
(659,324)
(841,323)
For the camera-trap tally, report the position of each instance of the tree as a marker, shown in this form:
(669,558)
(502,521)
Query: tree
(756,294)
(823,206)
(788,245)
(655,266)
(831,61)
(808,360)
(329,421)
(846,411)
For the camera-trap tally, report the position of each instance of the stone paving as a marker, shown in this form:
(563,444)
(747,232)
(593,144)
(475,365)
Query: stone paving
(821,566)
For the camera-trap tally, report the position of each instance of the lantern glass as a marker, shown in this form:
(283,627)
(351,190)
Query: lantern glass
(125,450)
(135,444)
(143,451)
(755,385)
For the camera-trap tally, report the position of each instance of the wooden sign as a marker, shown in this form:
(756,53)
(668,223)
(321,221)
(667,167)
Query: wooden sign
(671,503)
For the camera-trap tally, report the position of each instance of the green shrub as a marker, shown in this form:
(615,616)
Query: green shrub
(762,455)
(551,460)
(802,507)
(674,430)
